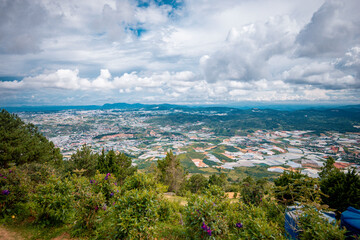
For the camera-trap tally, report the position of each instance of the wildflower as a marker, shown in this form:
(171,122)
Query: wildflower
(10,171)
(203,226)
(214,204)
(111,194)
(96,208)
(115,183)
(104,207)
(107,176)
(92,181)
(209,231)
(5,192)
(239,225)
(13,216)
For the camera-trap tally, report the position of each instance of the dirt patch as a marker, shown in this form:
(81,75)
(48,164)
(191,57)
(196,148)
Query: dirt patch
(64,236)
(6,234)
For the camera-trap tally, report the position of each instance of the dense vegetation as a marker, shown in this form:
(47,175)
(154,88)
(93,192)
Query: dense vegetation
(102,196)
(227,121)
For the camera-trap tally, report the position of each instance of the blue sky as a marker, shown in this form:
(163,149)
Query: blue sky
(178,51)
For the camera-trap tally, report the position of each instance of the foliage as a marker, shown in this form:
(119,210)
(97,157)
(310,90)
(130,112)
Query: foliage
(136,214)
(253,222)
(84,159)
(117,163)
(314,227)
(88,205)
(341,189)
(218,180)
(294,186)
(22,143)
(170,172)
(252,192)
(205,216)
(197,183)
(52,201)
(14,187)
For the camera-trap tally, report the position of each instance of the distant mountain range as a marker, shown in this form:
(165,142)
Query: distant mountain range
(140,106)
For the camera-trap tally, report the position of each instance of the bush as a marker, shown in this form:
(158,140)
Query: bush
(14,189)
(88,205)
(105,184)
(252,222)
(314,227)
(341,189)
(204,216)
(294,186)
(136,214)
(252,192)
(52,202)
(197,183)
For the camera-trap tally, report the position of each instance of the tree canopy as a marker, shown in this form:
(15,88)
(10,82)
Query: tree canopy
(22,143)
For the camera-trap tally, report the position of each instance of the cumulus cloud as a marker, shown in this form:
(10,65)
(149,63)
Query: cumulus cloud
(247,50)
(189,52)
(21,26)
(333,29)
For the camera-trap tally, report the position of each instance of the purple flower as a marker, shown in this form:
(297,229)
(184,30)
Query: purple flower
(111,194)
(214,204)
(198,211)
(106,178)
(96,208)
(203,226)
(92,181)
(115,183)
(209,231)
(239,225)
(10,171)
(104,207)
(5,192)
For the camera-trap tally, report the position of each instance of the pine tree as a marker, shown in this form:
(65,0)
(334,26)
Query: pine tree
(22,143)
(85,159)
(170,172)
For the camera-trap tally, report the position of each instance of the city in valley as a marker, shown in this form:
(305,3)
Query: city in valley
(146,135)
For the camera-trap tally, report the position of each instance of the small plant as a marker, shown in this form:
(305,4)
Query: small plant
(52,202)
(136,214)
(205,215)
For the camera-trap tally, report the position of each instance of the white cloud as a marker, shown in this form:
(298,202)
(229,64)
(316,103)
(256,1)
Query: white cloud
(247,50)
(204,51)
(332,30)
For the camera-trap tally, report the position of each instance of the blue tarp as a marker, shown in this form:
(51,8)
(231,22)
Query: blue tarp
(351,220)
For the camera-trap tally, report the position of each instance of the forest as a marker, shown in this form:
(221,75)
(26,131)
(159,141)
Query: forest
(103,196)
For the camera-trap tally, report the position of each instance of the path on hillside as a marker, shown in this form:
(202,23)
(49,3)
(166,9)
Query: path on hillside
(6,234)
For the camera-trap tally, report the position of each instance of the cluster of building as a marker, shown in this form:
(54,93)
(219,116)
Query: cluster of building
(132,132)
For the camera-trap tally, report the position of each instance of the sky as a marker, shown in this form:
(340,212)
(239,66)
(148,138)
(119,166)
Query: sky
(84,52)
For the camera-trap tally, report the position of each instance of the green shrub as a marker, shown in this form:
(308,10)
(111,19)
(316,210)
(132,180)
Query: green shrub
(294,186)
(314,227)
(14,189)
(52,202)
(204,216)
(252,192)
(105,184)
(89,206)
(136,214)
(252,222)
